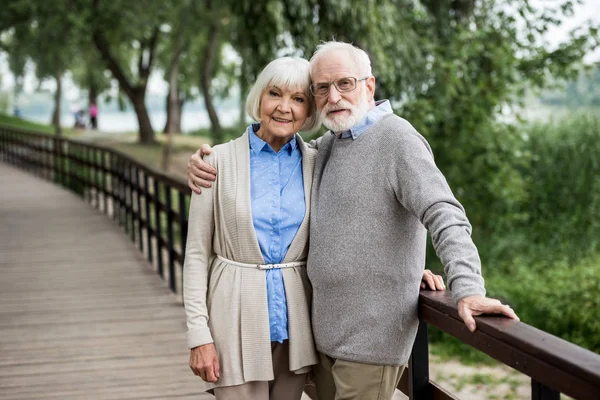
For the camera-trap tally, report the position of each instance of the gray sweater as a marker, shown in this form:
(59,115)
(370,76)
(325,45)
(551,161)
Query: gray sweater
(373,199)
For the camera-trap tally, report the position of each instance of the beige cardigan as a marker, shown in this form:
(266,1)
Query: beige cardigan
(229,303)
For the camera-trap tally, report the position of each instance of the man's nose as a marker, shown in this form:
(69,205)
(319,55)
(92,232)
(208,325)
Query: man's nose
(334,95)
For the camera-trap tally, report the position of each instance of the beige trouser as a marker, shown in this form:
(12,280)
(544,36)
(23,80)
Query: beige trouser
(286,385)
(346,380)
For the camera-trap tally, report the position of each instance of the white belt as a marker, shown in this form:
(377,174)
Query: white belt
(263,266)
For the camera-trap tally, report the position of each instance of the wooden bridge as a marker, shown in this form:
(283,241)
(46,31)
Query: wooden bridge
(83,314)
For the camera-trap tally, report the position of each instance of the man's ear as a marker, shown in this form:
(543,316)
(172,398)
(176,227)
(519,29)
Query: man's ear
(370,83)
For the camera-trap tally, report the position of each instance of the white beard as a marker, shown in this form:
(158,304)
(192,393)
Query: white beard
(341,123)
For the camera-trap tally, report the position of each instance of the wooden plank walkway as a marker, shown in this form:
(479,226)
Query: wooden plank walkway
(82,313)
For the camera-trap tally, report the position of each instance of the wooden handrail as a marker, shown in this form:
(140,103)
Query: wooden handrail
(554,362)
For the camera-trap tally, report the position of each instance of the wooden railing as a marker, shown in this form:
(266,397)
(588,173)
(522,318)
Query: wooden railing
(151,207)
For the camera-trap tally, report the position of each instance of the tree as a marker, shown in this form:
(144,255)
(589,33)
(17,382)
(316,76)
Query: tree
(122,31)
(42,33)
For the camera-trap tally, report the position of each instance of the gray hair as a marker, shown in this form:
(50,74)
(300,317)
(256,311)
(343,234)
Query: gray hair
(358,55)
(284,72)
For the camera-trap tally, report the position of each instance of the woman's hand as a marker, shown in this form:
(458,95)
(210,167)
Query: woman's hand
(204,362)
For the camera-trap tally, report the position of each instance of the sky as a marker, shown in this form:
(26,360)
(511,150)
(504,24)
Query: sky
(588,10)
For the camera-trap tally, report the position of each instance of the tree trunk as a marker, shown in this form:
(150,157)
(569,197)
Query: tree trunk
(166,153)
(141,112)
(173,124)
(92,91)
(136,94)
(174,114)
(57,99)
(173,103)
(168,107)
(205,83)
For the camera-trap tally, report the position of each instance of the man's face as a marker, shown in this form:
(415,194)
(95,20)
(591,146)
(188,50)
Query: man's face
(341,110)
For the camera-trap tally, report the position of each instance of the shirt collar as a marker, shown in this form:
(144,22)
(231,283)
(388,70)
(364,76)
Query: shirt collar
(257,144)
(382,108)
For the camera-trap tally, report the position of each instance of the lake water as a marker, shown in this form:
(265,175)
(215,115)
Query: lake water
(126,121)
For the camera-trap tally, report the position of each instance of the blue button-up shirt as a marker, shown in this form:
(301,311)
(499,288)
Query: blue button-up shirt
(278,208)
(381,109)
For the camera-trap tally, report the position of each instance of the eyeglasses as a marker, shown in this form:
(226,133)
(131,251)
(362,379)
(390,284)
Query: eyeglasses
(342,85)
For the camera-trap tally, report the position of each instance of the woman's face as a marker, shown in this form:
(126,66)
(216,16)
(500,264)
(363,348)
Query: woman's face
(283,111)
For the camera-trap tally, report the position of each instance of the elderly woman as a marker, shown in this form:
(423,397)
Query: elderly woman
(246,293)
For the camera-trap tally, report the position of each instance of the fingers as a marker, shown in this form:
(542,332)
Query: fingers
(509,312)
(193,186)
(209,370)
(205,150)
(439,282)
(204,362)
(467,316)
(197,160)
(469,307)
(429,279)
(201,171)
(432,281)
(217,368)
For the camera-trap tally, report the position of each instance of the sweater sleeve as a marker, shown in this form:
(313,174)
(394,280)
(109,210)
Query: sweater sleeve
(422,189)
(198,256)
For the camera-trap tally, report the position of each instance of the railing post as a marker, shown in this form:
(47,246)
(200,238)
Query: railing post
(183,227)
(105,168)
(148,219)
(129,200)
(170,240)
(138,198)
(418,382)
(157,231)
(540,391)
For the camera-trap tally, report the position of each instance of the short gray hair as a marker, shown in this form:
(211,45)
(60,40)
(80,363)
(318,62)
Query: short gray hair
(284,72)
(358,55)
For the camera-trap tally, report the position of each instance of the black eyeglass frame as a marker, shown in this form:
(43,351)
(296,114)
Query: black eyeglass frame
(335,83)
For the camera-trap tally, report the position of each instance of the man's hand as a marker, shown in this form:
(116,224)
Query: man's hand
(473,306)
(204,362)
(432,281)
(200,174)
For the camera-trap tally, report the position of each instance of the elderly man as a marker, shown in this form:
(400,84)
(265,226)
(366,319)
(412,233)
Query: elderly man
(376,192)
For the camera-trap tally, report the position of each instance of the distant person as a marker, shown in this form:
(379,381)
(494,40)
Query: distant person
(80,119)
(94,115)
(17,112)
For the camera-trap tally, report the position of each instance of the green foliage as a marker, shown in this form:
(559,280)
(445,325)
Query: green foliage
(15,122)
(558,296)
(533,197)
(564,185)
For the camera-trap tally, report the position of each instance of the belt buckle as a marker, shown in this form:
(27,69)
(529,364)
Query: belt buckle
(265,266)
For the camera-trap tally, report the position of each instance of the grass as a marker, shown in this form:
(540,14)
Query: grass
(151,154)
(20,123)
(183,145)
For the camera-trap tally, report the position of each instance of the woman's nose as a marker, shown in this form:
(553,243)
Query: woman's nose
(284,105)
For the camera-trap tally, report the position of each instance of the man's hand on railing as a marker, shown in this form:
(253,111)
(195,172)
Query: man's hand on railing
(473,306)
(200,173)
(432,281)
